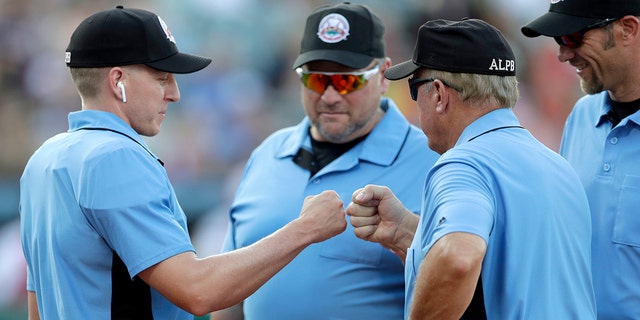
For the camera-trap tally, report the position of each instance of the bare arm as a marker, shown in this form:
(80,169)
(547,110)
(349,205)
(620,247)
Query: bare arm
(233,313)
(447,277)
(32,305)
(378,216)
(202,285)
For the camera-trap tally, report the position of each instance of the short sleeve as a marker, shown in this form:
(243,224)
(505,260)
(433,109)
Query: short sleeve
(128,199)
(461,201)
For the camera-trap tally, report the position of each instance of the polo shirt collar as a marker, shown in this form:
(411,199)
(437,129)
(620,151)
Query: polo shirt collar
(495,119)
(605,107)
(96,120)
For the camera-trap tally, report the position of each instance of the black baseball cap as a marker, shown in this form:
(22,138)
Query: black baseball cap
(466,46)
(569,16)
(345,33)
(120,36)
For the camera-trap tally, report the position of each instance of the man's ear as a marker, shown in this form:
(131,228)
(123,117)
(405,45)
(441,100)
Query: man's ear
(630,28)
(442,96)
(115,77)
(384,82)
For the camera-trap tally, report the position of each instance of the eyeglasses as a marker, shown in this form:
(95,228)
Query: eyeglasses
(415,83)
(343,82)
(574,40)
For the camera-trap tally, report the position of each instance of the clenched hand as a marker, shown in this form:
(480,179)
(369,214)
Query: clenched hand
(324,215)
(378,216)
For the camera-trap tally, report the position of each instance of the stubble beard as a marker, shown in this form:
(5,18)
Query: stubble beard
(341,136)
(592,87)
(595,85)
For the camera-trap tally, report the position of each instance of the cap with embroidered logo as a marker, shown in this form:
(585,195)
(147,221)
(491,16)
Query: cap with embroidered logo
(345,33)
(466,46)
(570,16)
(120,36)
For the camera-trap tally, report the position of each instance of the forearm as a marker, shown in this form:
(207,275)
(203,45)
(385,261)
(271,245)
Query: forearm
(32,305)
(217,282)
(447,277)
(239,273)
(442,298)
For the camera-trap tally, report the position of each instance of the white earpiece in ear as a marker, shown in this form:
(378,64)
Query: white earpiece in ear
(124,93)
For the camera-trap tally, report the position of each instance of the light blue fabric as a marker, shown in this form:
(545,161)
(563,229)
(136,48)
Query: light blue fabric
(84,195)
(528,205)
(343,277)
(608,163)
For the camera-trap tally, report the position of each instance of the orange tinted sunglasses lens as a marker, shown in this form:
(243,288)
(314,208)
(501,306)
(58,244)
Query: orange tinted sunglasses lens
(343,82)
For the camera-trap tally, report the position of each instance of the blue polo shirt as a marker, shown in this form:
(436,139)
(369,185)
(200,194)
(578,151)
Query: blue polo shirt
(343,277)
(608,162)
(96,208)
(528,205)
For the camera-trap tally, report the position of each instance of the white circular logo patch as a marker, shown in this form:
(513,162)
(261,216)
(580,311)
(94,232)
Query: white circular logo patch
(333,28)
(556,1)
(166,30)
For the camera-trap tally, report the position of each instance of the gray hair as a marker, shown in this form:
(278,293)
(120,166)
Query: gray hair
(480,89)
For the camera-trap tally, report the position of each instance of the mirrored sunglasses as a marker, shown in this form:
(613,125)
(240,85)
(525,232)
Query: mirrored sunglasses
(574,40)
(343,82)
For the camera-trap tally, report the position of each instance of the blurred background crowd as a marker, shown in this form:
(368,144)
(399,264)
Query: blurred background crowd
(249,91)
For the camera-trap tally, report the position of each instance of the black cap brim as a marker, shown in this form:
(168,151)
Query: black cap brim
(554,24)
(180,63)
(401,70)
(346,58)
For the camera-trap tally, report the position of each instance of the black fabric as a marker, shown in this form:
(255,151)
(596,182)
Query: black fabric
(131,299)
(569,16)
(304,159)
(120,36)
(344,33)
(621,110)
(476,310)
(323,153)
(467,46)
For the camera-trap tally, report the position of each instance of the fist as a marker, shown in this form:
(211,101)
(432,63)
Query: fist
(376,214)
(324,215)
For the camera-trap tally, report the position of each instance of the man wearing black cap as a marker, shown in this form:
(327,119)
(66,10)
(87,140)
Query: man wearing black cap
(103,234)
(503,216)
(351,136)
(601,39)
